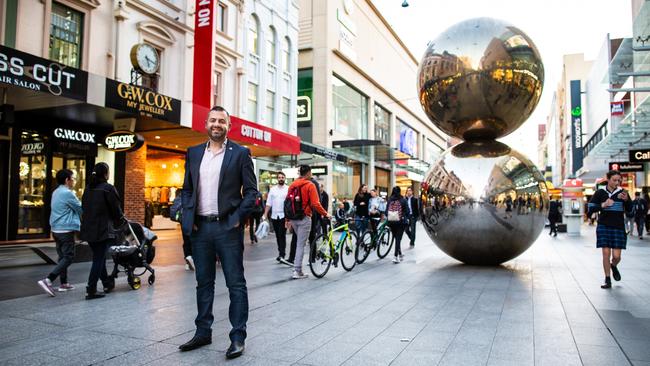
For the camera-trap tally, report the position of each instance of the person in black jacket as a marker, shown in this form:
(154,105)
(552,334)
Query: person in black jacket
(361,215)
(397,225)
(640,207)
(554,216)
(413,214)
(612,202)
(101,215)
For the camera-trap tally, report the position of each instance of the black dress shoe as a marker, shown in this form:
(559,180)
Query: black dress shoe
(195,343)
(235,350)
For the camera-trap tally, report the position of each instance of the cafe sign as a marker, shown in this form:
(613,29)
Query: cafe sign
(142,101)
(639,156)
(123,141)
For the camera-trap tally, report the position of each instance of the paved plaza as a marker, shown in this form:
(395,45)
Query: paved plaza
(544,308)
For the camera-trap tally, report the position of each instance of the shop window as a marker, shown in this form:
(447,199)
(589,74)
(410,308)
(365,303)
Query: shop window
(163,180)
(252,102)
(33,174)
(66,30)
(342,179)
(222,16)
(270,46)
(217,88)
(286,103)
(270,108)
(350,110)
(382,124)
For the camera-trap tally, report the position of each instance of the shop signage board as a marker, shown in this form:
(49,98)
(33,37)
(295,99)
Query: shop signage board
(640,156)
(142,101)
(319,170)
(247,132)
(617,108)
(304,108)
(74,141)
(324,152)
(74,135)
(32,148)
(30,72)
(123,141)
(626,166)
(204,31)
(576,125)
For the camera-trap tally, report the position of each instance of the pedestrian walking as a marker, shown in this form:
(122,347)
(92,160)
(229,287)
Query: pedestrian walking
(509,207)
(102,215)
(256,215)
(303,199)
(413,215)
(361,201)
(215,208)
(554,216)
(397,216)
(176,214)
(65,220)
(275,205)
(294,235)
(640,207)
(611,201)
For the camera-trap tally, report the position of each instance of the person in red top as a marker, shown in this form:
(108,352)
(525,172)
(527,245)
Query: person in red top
(310,201)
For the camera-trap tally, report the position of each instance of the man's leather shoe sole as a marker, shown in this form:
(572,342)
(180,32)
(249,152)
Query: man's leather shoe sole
(235,350)
(195,343)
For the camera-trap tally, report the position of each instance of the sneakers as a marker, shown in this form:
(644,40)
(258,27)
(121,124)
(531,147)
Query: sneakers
(298,275)
(401,257)
(189,263)
(65,287)
(615,273)
(279,259)
(46,285)
(284,261)
(395,259)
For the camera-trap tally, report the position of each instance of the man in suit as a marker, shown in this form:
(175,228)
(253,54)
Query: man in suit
(215,208)
(413,214)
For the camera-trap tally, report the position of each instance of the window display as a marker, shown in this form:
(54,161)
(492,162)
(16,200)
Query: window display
(32,172)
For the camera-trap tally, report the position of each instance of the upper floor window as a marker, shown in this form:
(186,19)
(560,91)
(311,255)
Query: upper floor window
(253,36)
(270,46)
(66,31)
(286,52)
(222,16)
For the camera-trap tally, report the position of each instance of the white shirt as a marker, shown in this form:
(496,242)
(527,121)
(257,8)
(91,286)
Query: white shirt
(208,189)
(275,199)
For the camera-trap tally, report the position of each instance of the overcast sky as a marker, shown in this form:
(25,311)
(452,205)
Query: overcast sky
(558,27)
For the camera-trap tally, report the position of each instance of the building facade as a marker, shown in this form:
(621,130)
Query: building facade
(349,104)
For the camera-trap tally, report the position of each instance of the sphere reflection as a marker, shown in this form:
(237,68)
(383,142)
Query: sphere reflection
(480,79)
(484,205)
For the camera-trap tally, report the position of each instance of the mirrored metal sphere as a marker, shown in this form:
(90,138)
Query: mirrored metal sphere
(480,79)
(484,203)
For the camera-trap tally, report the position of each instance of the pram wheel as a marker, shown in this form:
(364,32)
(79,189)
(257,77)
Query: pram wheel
(152,279)
(134,282)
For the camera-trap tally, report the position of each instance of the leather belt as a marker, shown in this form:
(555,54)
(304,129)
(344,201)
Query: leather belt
(210,218)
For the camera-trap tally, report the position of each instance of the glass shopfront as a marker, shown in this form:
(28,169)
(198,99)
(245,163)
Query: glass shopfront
(33,173)
(164,175)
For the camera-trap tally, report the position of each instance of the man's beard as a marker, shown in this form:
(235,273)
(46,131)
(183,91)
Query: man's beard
(281,182)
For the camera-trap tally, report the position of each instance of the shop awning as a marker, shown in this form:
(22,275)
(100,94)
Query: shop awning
(323,152)
(383,153)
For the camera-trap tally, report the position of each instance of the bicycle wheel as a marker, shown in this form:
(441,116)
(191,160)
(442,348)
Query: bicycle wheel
(349,251)
(364,247)
(384,243)
(321,260)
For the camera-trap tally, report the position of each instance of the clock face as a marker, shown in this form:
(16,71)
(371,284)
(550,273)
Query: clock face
(147,57)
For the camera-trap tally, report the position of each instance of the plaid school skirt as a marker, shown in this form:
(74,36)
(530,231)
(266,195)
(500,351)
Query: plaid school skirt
(609,237)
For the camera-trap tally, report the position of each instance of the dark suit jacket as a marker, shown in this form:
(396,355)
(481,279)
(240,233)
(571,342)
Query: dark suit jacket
(237,189)
(415,206)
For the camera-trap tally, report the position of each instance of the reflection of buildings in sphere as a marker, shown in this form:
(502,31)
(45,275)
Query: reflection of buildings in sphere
(480,79)
(484,234)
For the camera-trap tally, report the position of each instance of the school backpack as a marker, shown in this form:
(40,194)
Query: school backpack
(293,209)
(395,211)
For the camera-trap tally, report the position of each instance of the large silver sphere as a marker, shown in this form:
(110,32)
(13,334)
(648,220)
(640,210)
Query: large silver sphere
(466,195)
(480,79)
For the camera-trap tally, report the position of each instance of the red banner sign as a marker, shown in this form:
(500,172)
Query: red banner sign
(617,108)
(203,60)
(577,182)
(250,133)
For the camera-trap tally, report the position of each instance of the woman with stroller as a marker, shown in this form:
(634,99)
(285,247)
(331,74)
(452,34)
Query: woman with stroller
(101,215)
(397,214)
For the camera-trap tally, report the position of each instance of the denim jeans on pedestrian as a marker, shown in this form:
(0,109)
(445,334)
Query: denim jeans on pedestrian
(65,250)
(301,228)
(98,268)
(214,239)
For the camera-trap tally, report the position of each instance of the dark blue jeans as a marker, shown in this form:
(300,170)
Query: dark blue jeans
(98,268)
(211,240)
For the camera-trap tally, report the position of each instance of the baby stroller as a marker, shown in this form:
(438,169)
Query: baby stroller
(134,250)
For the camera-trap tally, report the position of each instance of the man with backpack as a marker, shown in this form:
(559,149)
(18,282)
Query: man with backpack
(640,209)
(302,199)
